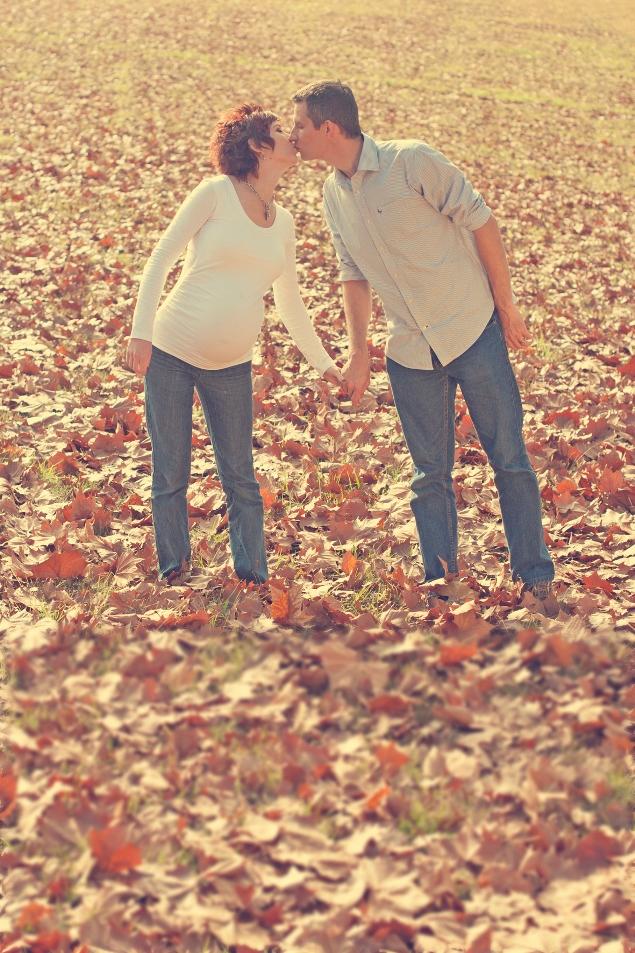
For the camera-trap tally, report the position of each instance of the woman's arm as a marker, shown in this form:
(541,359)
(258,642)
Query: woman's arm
(197,209)
(291,309)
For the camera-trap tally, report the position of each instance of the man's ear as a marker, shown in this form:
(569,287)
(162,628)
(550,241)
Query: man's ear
(330,129)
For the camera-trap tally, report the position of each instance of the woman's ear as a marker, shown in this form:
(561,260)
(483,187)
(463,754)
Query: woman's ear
(259,150)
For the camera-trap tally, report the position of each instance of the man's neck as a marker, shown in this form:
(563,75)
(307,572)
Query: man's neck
(348,161)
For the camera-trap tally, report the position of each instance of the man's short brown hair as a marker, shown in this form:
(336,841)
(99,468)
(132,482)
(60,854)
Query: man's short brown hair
(332,100)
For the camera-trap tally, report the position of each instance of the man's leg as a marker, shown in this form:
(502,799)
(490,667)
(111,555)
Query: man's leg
(169,388)
(425,404)
(491,393)
(227,403)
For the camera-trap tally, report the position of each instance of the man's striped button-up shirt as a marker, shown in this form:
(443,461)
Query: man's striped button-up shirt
(404,222)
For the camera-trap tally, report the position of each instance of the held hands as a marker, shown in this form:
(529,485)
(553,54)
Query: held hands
(138,355)
(333,375)
(356,375)
(515,330)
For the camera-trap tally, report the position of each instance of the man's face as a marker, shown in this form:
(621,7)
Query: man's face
(309,141)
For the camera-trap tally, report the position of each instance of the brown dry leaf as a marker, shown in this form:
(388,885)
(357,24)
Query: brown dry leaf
(66,565)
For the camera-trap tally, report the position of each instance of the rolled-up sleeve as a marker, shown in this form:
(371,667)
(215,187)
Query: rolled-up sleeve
(446,188)
(347,267)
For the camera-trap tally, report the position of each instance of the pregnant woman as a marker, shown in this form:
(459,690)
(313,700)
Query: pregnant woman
(239,242)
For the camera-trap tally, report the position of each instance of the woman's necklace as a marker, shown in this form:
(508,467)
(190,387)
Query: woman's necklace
(267,205)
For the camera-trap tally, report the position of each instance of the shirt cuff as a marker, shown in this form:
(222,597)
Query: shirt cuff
(479,218)
(351,273)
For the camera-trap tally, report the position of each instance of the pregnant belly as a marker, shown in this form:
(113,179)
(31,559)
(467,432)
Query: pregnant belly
(208,334)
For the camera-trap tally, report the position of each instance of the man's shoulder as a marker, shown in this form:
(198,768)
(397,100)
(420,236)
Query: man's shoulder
(329,182)
(401,148)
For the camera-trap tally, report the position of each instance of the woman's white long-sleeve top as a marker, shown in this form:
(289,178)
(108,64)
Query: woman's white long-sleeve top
(214,313)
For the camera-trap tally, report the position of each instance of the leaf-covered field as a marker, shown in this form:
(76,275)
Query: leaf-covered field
(340,761)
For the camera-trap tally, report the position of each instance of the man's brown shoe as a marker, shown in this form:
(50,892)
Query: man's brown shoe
(539,590)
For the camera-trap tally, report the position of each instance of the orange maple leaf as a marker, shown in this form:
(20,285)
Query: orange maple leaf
(389,704)
(595,581)
(349,562)
(113,852)
(65,464)
(268,498)
(8,787)
(455,654)
(67,565)
(49,942)
(375,799)
(597,847)
(280,605)
(391,758)
(82,507)
(611,481)
(31,915)
(628,369)
(561,649)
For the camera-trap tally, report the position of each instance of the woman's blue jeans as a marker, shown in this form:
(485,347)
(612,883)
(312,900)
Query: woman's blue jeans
(425,403)
(227,404)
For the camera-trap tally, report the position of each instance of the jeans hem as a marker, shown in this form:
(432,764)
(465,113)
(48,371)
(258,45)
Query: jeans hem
(534,582)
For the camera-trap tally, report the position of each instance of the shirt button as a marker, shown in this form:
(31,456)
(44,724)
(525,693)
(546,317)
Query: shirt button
(409,300)
(368,221)
(381,247)
(395,275)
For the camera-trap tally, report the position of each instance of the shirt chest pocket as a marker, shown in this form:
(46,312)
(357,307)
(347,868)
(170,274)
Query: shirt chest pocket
(395,218)
(405,215)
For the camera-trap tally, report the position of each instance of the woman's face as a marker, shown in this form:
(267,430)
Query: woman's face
(283,152)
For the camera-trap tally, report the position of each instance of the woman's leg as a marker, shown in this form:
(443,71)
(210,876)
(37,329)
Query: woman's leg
(227,403)
(169,387)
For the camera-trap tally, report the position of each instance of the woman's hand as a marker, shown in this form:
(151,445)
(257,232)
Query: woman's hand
(333,375)
(138,355)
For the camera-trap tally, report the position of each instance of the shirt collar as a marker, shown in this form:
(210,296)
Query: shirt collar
(368,160)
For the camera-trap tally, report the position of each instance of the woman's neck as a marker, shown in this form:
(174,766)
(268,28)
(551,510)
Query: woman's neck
(266,181)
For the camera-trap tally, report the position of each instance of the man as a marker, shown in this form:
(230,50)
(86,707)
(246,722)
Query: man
(406,222)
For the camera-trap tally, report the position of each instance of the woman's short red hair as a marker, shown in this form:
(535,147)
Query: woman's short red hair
(229,148)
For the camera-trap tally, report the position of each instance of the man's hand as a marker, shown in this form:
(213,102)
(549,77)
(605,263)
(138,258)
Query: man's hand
(515,330)
(138,355)
(356,374)
(489,245)
(333,375)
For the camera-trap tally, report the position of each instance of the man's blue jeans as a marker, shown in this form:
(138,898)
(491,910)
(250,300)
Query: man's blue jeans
(425,403)
(227,404)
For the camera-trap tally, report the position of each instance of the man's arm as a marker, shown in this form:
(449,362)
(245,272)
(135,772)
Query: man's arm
(357,308)
(492,253)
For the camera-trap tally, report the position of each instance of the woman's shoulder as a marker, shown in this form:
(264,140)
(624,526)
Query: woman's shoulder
(211,185)
(210,194)
(285,216)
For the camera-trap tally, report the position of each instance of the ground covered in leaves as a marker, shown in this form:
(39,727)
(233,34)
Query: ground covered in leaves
(460,788)
(117,819)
